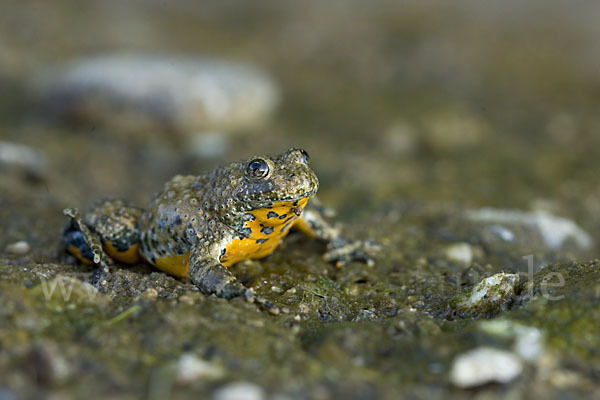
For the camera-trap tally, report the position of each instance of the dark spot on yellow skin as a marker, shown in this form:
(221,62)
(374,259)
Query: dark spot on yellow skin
(267,230)
(246,232)
(256,245)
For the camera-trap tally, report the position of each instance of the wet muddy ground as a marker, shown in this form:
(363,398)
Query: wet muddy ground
(463,139)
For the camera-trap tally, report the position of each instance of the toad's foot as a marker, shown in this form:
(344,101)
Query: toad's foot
(81,242)
(339,250)
(211,277)
(78,240)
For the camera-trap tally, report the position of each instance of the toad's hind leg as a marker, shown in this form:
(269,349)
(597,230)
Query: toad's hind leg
(77,239)
(108,228)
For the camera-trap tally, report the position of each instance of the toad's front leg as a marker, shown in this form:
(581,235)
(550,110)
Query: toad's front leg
(339,250)
(212,277)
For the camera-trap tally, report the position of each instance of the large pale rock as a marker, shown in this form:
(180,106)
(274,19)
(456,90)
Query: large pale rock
(185,93)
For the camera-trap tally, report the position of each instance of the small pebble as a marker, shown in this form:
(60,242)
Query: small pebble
(276,289)
(21,159)
(186,299)
(529,344)
(494,288)
(460,253)
(150,294)
(484,365)
(19,248)
(240,391)
(488,297)
(191,368)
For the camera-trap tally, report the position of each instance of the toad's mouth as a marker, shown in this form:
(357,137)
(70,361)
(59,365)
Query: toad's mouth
(258,204)
(306,195)
(291,201)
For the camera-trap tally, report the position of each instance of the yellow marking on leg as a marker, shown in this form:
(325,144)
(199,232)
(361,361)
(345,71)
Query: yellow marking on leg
(258,244)
(303,226)
(129,256)
(176,265)
(77,253)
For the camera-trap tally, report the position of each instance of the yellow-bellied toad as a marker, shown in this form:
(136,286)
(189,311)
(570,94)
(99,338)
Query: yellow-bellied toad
(197,226)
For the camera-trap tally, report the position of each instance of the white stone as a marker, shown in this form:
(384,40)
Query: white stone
(21,158)
(556,230)
(528,343)
(19,248)
(460,253)
(191,93)
(190,368)
(240,391)
(484,365)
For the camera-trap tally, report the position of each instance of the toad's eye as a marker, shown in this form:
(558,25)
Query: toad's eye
(305,157)
(257,169)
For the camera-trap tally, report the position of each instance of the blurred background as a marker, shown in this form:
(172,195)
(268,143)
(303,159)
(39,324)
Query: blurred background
(469,103)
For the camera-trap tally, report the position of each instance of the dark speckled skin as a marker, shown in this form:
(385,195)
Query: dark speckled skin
(188,227)
(209,210)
